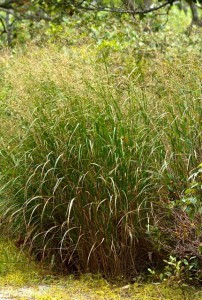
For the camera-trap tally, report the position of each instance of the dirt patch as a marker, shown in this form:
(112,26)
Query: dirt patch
(23,293)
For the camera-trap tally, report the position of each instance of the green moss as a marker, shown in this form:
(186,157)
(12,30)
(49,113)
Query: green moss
(21,279)
(80,291)
(16,267)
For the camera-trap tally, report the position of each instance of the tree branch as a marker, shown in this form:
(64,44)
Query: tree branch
(126,11)
(7,10)
(3,25)
(7,4)
(38,16)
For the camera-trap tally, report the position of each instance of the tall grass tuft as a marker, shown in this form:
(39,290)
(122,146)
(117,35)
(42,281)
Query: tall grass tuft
(89,159)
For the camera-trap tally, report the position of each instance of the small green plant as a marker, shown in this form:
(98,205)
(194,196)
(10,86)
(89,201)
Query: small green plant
(178,270)
(192,199)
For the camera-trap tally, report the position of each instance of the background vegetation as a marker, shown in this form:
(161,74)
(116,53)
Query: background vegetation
(41,20)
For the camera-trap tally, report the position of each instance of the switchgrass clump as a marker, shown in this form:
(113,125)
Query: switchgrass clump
(94,150)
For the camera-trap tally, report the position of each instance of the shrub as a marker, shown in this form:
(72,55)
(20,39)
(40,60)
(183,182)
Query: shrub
(181,233)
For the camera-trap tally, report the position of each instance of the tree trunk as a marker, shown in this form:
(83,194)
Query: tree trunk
(195,16)
(8,29)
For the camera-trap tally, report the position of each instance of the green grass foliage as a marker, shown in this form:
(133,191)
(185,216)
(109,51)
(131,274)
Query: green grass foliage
(90,145)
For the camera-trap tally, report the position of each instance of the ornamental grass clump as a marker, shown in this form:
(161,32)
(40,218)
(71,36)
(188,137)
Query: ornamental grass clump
(85,167)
